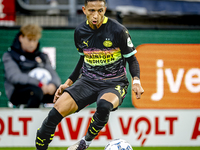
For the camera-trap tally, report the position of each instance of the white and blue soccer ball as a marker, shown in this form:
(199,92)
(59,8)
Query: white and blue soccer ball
(118,144)
(41,74)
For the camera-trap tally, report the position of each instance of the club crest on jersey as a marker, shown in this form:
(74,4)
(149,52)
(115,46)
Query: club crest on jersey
(107,43)
(129,42)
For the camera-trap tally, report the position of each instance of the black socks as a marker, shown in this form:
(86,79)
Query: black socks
(46,132)
(99,119)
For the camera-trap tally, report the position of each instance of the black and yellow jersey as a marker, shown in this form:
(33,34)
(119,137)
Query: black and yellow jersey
(104,49)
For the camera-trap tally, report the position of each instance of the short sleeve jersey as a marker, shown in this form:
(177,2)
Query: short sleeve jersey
(104,49)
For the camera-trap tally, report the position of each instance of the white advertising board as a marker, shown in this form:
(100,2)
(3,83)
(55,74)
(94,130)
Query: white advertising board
(144,127)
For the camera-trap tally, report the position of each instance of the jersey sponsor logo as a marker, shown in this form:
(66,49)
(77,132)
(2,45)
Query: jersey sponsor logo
(86,43)
(101,58)
(170,76)
(107,43)
(129,42)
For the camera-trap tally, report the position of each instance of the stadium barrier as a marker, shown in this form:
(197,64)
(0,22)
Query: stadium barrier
(170,75)
(140,127)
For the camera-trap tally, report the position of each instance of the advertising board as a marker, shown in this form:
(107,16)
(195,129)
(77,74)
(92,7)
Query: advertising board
(166,127)
(7,12)
(170,76)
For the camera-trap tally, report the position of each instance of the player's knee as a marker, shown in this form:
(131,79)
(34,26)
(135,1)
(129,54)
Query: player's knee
(66,105)
(54,117)
(103,109)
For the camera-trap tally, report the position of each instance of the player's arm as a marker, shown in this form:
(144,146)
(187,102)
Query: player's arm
(128,51)
(75,74)
(78,69)
(134,70)
(72,78)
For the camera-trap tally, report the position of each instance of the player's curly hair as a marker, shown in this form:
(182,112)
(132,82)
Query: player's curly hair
(32,31)
(86,1)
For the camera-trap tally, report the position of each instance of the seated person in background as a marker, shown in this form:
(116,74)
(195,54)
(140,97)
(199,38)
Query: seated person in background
(29,76)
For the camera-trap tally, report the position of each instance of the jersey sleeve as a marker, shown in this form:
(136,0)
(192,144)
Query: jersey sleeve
(126,45)
(77,42)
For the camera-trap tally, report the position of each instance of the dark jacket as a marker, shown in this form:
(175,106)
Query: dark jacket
(18,63)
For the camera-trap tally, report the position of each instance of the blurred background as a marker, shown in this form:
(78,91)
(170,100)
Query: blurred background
(132,13)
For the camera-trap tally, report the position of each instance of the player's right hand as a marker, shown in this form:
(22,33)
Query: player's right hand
(137,88)
(59,91)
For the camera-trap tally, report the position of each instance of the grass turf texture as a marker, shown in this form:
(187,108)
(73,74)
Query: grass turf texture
(102,148)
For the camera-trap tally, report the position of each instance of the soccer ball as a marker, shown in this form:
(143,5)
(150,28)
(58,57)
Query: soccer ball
(41,74)
(118,144)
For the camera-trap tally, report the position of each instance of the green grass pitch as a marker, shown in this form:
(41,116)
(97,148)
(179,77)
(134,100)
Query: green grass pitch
(102,148)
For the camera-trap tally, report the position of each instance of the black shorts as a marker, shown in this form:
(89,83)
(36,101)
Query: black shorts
(86,91)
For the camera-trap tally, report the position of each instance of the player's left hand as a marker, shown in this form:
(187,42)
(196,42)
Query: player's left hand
(59,91)
(137,88)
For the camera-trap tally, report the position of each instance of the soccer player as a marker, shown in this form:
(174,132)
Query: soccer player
(104,46)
